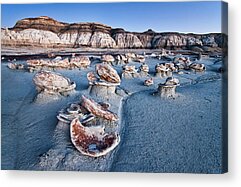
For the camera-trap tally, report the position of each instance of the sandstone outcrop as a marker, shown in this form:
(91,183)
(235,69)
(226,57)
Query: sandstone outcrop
(47,32)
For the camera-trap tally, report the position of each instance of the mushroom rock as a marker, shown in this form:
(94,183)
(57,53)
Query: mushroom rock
(144,70)
(197,67)
(104,82)
(129,72)
(163,70)
(39,64)
(107,59)
(15,66)
(59,63)
(149,82)
(80,61)
(35,63)
(121,59)
(171,66)
(168,89)
(52,84)
(185,63)
(139,58)
(182,62)
(130,55)
(107,73)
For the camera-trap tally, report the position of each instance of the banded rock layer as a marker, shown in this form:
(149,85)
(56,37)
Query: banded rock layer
(47,32)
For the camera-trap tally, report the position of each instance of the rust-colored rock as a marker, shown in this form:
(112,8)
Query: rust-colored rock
(162,70)
(92,141)
(129,72)
(107,73)
(197,67)
(149,82)
(51,82)
(58,62)
(80,61)
(91,77)
(107,58)
(97,109)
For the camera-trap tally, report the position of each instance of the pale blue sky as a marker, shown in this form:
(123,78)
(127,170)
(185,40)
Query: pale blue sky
(196,17)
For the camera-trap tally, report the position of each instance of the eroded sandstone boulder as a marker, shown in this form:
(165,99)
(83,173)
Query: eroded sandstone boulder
(104,81)
(149,82)
(163,70)
(144,70)
(129,72)
(168,89)
(52,85)
(107,59)
(90,129)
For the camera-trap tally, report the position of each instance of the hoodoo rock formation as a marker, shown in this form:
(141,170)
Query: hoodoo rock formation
(44,31)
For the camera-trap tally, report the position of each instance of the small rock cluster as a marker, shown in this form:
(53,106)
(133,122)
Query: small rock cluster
(59,63)
(164,69)
(129,72)
(15,66)
(185,63)
(122,59)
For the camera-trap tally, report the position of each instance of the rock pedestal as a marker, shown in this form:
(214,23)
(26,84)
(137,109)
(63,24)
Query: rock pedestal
(163,71)
(102,90)
(144,70)
(103,83)
(129,72)
(168,89)
(51,86)
(163,74)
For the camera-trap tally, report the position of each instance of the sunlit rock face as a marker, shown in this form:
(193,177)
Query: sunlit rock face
(44,31)
(127,40)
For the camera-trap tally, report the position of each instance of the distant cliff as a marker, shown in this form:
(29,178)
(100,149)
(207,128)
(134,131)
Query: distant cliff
(47,32)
